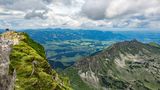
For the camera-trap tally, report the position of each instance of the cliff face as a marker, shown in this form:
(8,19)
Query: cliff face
(24,65)
(6,79)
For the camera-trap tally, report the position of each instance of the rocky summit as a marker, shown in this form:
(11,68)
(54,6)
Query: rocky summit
(128,65)
(23,65)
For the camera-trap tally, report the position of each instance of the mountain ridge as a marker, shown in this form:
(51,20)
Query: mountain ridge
(121,66)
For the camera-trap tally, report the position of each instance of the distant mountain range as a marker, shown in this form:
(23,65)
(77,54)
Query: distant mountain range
(44,35)
(129,65)
(65,46)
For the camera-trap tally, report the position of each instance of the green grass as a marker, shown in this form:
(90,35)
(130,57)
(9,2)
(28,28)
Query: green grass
(36,46)
(22,57)
(154,44)
(76,81)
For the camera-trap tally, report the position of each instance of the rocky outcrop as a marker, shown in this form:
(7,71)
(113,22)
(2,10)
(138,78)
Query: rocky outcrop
(6,79)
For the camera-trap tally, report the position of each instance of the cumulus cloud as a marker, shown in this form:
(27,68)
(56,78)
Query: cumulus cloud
(95,9)
(35,14)
(123,13)
(117,8)
(82,13)
(30,7)
(132,7)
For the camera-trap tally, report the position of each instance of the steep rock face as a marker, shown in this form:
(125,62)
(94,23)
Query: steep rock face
(6,79)
(128,65)
(26,67)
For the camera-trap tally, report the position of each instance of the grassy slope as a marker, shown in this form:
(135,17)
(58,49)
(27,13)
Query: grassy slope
(76,81)
(22,57)
(154,44)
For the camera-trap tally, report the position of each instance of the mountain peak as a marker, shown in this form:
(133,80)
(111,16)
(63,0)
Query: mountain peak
(131,47)
(121,65)
(126,43)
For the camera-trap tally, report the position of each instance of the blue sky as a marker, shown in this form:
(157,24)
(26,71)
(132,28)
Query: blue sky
(80,13)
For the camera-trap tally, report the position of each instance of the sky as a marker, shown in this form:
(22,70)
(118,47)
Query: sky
(80,13)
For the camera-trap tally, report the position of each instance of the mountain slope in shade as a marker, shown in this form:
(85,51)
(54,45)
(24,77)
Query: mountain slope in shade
(26,67)
(129,65)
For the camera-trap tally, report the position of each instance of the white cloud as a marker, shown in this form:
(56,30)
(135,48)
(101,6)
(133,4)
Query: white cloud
(37,13)
(80,13)
(95,9)
(131,7)
(29,7)
(123,13)
(23,5)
